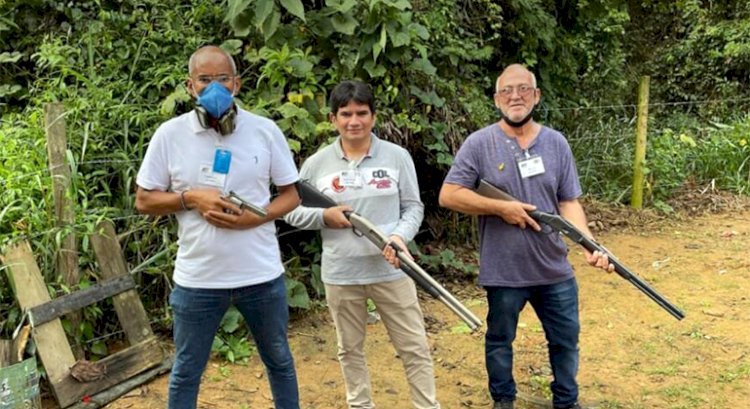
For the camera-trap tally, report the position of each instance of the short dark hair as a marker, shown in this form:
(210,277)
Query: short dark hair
(349,91)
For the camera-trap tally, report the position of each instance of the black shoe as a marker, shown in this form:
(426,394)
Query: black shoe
(503,405)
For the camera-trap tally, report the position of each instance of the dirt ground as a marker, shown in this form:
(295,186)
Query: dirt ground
(633,354)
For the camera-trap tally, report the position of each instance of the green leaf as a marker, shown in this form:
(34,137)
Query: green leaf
(304,128)
(424,65)
(290,110)
(430,97)
(344,23)
(294,145)
(233,46)
(295,7)
(231,320)
(300,67)
(375,70)
(10,57)
(297,294)
(99,348)
(420,31)
(400,38)
(271,24)
(380,45)
(401,4)
(263,9)
(7,89)
(235,8)
(342,6)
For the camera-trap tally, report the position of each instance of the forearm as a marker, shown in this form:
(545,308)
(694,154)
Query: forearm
(158,203)
(466,201)
(285,202)
(411,219)
(572,211)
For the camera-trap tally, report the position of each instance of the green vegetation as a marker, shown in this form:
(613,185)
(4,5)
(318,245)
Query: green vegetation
(119,68)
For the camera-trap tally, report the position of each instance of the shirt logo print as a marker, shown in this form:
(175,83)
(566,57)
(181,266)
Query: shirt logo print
(380,184)
(336,185)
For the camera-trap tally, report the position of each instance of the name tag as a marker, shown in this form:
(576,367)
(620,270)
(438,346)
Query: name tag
(531,166)
(351,178)
(215,175)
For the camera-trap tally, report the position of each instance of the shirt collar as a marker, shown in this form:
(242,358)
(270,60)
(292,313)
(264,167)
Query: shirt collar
(371,153)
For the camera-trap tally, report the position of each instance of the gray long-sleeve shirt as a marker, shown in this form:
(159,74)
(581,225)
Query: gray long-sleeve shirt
(381,187)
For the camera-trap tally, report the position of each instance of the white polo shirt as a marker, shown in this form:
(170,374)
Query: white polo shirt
(209,256)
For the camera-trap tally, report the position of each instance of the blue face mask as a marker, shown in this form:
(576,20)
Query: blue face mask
(216,99)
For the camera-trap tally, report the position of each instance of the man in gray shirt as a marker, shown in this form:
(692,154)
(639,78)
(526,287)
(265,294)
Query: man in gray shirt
(517,265)
(376,179)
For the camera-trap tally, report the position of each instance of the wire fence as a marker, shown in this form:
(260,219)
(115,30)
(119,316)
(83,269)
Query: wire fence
(544,110)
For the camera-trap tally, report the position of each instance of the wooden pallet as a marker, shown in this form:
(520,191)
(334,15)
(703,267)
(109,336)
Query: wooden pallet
(144,351)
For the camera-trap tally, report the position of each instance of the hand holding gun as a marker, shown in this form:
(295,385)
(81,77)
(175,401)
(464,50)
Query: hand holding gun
(312,197)
(563,226)
(242,204)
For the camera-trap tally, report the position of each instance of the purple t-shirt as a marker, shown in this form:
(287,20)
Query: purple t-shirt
(511,256)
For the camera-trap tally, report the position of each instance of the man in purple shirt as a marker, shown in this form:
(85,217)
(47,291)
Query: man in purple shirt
(518,265)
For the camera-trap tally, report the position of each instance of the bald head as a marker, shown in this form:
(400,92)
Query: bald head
(207,53)
(515,70)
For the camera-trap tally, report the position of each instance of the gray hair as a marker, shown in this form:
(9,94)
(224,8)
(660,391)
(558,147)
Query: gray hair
(533,77)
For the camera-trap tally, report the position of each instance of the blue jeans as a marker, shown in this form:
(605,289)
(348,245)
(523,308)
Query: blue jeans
(197,314)
(556,305)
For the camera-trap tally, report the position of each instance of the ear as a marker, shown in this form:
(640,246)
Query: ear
(190,88)
(237,85)
(537,96)
(332,117)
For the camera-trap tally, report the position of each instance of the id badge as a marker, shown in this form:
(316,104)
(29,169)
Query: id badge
(215,175)
(531,166)
(351,178)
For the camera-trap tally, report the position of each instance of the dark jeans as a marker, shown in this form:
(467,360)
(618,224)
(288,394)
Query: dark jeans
(556,305)
(197,315)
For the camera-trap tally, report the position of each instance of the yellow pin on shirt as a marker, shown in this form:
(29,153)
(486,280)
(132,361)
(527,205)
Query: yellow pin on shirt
(501,166)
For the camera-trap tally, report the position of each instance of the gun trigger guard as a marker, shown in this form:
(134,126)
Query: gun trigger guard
(357,232)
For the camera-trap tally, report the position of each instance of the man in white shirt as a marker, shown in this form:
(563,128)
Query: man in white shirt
(227,255)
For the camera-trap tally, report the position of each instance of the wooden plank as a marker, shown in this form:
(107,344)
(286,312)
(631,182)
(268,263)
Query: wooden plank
(109,395)
(67,256)
(128,305)
(120,367)
(6,348)
(28,285)
(79,299)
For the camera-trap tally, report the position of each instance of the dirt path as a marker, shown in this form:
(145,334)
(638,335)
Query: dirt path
(633,354)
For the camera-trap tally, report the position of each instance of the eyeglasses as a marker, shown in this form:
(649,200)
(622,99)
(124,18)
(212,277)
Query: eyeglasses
(522,90)
(207,79)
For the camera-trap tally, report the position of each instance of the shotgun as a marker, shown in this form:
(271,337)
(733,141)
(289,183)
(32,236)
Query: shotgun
(312,197)
(559,224)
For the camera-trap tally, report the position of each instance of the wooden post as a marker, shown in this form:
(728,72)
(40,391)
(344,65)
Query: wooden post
(67,256)
(636,199)
(128,305)
(28,285)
